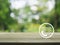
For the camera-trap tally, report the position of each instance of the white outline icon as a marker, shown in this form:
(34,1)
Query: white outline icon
(42,32)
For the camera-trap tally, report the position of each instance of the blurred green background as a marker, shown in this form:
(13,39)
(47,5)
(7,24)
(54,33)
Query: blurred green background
(28,15)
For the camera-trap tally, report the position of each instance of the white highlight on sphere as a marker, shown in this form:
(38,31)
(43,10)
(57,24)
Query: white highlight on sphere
(43,33)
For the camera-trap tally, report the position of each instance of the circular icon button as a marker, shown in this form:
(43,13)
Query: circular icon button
(46,30)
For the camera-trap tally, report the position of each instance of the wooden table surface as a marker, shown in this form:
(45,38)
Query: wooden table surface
(28,38)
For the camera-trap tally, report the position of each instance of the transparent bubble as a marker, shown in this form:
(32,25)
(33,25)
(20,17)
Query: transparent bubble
(46,30)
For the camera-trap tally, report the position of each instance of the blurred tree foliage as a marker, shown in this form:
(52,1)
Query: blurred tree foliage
(5,19)
(55,17)
(26,14)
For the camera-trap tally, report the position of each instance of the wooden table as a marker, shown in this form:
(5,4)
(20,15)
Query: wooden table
(28,38)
